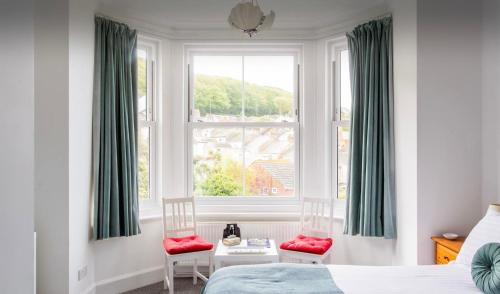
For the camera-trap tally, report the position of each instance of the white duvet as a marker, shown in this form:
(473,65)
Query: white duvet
(452,278)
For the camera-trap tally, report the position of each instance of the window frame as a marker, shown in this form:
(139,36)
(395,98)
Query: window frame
(334,68)
(152,47)
(242,50)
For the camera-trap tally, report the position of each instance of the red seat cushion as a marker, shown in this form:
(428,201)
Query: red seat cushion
(186,244)
(307,244)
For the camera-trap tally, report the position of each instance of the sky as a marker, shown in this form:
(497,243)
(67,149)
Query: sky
(274,71)
(345,80)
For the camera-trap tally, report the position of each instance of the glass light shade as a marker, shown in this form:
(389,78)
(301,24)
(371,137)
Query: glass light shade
(249,18)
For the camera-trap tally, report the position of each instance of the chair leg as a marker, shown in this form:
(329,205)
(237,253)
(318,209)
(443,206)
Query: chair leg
(210,264)
(195,271)
(165,274)
(171,277)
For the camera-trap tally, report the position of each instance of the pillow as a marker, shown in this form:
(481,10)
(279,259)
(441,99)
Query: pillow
(307,244)
(486,231)
(486,268)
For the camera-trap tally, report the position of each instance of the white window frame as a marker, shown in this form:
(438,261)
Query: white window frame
(242,50)
(152,47)
(335,48)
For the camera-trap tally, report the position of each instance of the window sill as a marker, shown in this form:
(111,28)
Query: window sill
(241,213)
(231,217)
(237,217)
(152,213)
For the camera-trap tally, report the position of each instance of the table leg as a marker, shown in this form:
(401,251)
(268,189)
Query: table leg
(217,264)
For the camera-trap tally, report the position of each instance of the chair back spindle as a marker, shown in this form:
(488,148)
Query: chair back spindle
(178,216)
(317,216)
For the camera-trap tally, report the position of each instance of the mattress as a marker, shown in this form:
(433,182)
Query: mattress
(427,279)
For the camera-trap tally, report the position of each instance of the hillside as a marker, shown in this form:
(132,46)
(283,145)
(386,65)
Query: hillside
(221,95)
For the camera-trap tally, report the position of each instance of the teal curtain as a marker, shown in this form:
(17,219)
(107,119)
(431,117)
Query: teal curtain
(371,207)
(115,131)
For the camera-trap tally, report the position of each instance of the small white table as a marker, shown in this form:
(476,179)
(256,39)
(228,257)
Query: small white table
(222,257)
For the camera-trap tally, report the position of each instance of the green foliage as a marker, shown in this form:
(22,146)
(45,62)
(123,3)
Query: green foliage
(212,97)
(220,95)
(143,169)
(216,177)
(220,183)
(141,77)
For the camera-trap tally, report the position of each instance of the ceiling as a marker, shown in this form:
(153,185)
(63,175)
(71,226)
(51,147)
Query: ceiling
(212,14)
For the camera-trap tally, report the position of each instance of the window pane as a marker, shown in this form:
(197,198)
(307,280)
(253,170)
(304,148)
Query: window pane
(343,138)
(217,88)
(144,163)
(269,161)
(217,161)
(269,88)
(345,86)
(142,78)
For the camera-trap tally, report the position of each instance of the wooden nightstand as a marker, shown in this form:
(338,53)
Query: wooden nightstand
(447,250)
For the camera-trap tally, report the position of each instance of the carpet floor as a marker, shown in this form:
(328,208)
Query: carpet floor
(181,286)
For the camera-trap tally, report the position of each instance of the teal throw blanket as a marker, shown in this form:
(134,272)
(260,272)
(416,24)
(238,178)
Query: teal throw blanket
(272,278)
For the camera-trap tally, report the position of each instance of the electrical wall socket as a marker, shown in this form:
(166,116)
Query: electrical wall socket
(82,273)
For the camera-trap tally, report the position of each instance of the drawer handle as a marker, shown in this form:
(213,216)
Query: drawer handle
(446,258)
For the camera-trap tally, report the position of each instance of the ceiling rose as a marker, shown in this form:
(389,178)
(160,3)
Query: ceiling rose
(249,18)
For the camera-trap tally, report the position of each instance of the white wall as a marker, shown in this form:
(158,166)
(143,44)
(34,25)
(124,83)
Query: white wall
(491,102)
(17,147)
(126,263)
(449,125)
(64,45)
(81,73)
(405,127)
(51,146)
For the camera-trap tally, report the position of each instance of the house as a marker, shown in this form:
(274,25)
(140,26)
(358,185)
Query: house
(273,178)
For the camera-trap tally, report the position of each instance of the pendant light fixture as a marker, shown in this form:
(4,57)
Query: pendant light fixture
(249,18)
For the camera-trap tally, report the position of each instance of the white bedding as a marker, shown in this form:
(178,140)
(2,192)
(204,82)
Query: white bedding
(453,278)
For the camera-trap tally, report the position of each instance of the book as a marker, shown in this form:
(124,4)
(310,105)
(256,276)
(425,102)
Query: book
(259,243)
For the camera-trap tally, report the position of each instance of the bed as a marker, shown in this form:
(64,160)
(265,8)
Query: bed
(453,278)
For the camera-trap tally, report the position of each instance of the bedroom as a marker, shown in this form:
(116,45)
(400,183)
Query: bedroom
(445,64)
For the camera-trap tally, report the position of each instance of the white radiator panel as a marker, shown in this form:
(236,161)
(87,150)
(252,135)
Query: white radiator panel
(279,231)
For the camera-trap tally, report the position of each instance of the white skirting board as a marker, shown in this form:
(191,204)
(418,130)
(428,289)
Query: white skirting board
(129,281)
(34,262)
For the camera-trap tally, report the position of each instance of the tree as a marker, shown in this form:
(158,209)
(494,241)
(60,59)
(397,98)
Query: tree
(219,183)
(283,104)
(218,176)
(143,169)
(211,98)
(221,95)
(141,77)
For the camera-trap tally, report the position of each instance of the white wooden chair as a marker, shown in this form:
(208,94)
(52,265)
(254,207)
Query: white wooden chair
(179,220)
(316,220)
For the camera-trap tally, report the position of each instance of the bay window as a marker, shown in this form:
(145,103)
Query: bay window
(147,120)
(341,119)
